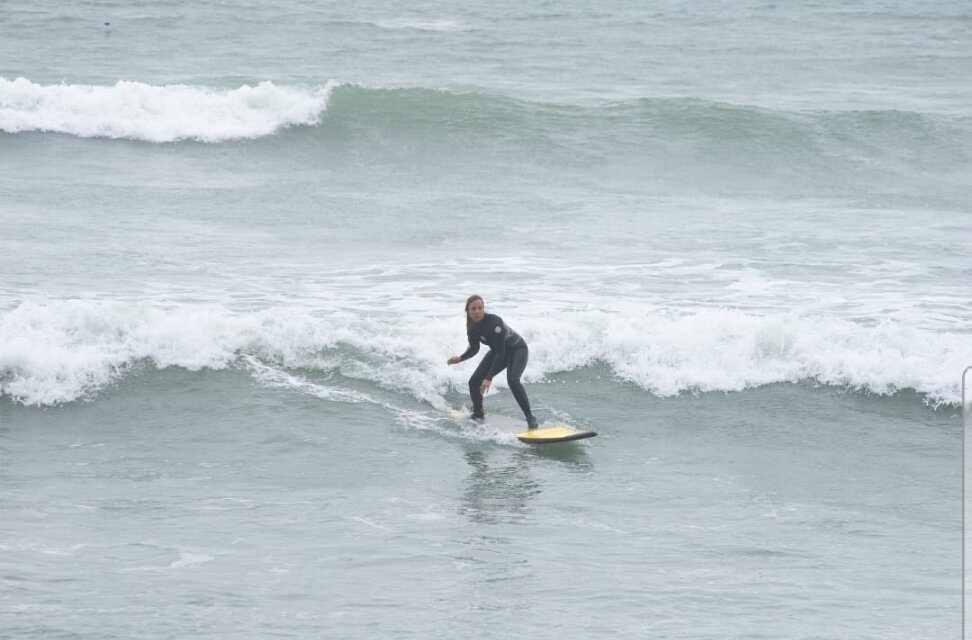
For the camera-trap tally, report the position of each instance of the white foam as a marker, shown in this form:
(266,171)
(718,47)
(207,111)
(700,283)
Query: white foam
(724,350)
(441,25)
(59,351)
(153,113)
(273,377)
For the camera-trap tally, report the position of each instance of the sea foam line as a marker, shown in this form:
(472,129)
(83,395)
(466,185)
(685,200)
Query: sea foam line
(158,113)
(60,351)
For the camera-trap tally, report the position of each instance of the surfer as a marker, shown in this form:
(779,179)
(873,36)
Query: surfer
(507,351)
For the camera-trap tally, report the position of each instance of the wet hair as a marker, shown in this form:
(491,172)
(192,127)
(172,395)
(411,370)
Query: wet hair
(471,299)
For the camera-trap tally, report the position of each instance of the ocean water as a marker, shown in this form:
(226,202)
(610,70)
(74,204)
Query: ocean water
(235,244)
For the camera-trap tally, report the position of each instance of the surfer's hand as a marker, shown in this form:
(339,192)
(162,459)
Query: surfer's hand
(484,387)
(454,360)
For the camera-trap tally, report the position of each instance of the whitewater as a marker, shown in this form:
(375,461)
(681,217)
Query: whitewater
(138,111)
(66,351)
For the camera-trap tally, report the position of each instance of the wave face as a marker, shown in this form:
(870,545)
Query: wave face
(168,113)
(58,352)
(652,139)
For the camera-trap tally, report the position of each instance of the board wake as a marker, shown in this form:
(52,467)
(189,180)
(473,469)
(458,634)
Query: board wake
(514,426)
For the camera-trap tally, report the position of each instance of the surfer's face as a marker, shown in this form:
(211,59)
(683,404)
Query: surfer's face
(476,310)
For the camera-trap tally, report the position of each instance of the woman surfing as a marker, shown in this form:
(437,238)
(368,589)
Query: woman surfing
(508,350)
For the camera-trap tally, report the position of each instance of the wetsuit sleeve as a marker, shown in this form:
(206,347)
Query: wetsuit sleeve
(472,350)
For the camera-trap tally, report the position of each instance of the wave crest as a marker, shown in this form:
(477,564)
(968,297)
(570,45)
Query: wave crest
(152,113)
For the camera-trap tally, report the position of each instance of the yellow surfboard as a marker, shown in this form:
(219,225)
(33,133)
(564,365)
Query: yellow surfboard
(549,435)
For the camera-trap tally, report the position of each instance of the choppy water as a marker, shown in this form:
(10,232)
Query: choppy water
(235,241)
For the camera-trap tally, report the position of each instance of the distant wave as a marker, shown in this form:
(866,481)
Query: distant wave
(167,113)
(661,131)
(443,25)
(60,351)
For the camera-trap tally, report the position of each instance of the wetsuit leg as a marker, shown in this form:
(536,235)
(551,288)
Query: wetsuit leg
(517,363)
(476,380)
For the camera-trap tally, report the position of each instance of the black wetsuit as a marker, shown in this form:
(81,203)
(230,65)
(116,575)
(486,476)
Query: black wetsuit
(507,351)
